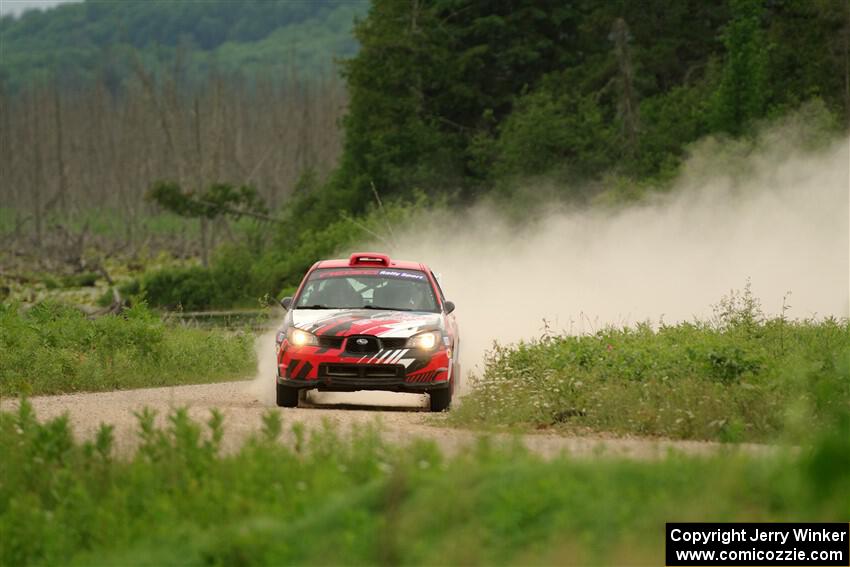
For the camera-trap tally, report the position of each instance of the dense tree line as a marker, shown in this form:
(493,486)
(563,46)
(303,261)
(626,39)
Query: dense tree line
(449,95)
(81,41)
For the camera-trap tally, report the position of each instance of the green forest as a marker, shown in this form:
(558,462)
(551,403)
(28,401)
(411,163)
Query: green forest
(75,43)
(451,94)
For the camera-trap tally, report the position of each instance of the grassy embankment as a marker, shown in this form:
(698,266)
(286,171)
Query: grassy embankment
(741,376)
(53,348)
(334,500)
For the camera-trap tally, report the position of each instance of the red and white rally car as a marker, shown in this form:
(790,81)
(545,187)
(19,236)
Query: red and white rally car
(368,323)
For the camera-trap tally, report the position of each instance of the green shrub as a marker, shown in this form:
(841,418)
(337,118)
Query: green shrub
(546,131)
(741,376)
(86,279)
(671,121)
(129,291)
(53,348)
(328,499)
(227,282)
(190,288)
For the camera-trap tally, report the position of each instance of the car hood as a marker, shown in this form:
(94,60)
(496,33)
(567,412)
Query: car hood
(345,322)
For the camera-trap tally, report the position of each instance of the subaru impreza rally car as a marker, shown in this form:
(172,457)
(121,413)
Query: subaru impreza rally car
(368,323)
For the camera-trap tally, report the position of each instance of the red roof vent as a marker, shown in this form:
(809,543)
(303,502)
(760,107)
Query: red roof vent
(361,258)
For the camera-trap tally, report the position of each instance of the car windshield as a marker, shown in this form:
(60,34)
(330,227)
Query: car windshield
(367,288)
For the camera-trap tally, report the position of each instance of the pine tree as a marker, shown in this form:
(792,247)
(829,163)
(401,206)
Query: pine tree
(742,93)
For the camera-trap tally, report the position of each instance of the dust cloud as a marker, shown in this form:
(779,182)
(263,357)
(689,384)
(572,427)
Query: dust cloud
(262,386)
(777,217)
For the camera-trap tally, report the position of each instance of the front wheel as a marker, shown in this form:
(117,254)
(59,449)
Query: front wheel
(287,397)
(440,399)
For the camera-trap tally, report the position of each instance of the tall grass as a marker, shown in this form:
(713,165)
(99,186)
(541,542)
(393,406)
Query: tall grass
(739,376)
(327,499)
(53,348)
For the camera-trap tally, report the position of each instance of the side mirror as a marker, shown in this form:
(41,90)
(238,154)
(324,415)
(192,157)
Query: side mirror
(286,303)
(450,306)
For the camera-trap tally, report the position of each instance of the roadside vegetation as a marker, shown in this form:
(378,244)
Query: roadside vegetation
(741,376)
(328,499)
(53,348)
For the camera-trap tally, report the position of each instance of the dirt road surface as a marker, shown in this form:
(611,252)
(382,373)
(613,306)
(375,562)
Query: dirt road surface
(401,417)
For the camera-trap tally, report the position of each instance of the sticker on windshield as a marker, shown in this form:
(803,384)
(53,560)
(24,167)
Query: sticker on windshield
(402,275)
(347,273)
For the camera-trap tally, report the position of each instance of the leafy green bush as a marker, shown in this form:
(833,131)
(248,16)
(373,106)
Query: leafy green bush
(546,131)
(129,290)
(741,376)
(190,288)
(85,279)
(53,348)
(226,283)
(671,121)
(326,499)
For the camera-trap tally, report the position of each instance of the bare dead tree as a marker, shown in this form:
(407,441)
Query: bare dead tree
(628,106)
(96,150)
(36,172)
(62,189)
(846,49)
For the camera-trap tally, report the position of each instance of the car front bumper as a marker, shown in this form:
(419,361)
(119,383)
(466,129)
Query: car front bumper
(317,368)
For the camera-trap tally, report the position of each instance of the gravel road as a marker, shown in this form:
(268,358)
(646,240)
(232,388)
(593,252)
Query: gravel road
(401,417)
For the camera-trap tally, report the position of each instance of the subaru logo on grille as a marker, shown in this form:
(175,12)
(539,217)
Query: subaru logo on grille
(362,342)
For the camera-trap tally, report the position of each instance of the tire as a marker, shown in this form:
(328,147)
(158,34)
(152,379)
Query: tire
(440,399)
(287,397)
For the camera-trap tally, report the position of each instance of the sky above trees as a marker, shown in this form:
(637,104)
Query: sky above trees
(18,7)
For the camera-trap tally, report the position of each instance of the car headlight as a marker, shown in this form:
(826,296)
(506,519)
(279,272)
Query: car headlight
(424,341)
(297,337)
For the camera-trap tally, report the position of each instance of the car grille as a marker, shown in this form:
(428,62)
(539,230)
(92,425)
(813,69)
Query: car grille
(392,344)
(378,374)
(371,344)
(330,342)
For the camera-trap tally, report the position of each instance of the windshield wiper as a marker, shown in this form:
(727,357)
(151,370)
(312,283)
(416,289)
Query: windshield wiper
(314,307)
(386,308)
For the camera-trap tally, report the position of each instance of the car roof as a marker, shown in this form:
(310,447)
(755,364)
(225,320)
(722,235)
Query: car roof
(355,261)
